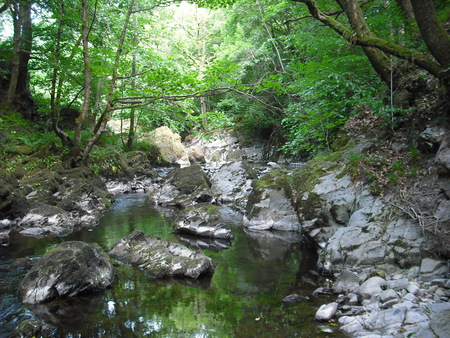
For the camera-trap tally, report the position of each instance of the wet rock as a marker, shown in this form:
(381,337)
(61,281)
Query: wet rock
(346,282)
(203,220)
(294,299)
(232,183)
(371,287)
(70,269)
(184,187)
(33,328)
(270,205)
(326,311)
(4,237)
(160,258)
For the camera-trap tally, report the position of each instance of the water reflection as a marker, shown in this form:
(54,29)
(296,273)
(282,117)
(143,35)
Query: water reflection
(242,299)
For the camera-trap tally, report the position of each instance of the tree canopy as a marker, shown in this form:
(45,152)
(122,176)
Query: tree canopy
(294,70)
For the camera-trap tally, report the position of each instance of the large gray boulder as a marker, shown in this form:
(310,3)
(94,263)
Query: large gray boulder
(184,187)
(203,220)
(232,183)
(270,204)
(72,268)
(160,258)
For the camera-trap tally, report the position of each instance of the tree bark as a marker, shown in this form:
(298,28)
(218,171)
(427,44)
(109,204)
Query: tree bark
(26,43)
(433,32)
(104,118)
(413,56)
(17,23)
(379,60)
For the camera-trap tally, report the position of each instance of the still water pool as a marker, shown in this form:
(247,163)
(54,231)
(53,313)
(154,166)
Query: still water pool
(242,299)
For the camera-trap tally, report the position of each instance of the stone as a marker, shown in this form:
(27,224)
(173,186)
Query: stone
(326,311)
(431,268)
(203,220)
(371,287)
(388,295)
(346,282)
(72,268)
(397,284)
(184,187)
(293,299)
(431,138)
(442,159)
(413,288)
(169,145)
(196,155)
(270,205)
(160,258)
(232,183)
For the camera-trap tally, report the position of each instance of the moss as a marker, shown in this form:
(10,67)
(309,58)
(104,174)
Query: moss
(276,180)
(307,177)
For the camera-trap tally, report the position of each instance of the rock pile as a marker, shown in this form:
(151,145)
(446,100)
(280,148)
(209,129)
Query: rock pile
(388,307)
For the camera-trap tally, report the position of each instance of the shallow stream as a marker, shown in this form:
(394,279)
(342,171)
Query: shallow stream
(242,299)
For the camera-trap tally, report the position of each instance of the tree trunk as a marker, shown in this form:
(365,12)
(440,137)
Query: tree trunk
(26,43)
(104,118)
(87,76)
(379,60)
(17,23)
(433,32)
(132,128)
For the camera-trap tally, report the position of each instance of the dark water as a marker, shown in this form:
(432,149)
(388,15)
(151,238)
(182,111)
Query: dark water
(242,299)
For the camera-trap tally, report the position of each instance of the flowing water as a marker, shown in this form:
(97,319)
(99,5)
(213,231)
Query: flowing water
(242,299)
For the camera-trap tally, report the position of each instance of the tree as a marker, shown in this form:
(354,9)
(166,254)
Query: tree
(22,44)
(425,18)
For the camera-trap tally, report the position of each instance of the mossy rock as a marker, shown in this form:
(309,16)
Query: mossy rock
(189,179)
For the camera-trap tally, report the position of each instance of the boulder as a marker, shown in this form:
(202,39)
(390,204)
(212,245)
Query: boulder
(270,204)
(232,183)
(160,258)
(184,187)
(346,282)
(433,268)
(169,145)
(203,220)
(327,311)
(371,287)
(196,155)
(70,269)
(431,138)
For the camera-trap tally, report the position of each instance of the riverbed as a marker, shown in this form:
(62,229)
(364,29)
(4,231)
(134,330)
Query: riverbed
(242,299)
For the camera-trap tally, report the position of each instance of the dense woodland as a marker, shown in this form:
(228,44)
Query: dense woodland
(290,71)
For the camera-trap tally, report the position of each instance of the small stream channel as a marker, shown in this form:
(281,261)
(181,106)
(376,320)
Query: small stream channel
(242,299)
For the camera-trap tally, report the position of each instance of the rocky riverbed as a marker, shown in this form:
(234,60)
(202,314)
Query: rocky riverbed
(386,277)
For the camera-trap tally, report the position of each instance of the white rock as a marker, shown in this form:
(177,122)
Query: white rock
(326,311)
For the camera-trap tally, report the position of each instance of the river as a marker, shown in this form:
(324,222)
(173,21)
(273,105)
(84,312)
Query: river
(242,299)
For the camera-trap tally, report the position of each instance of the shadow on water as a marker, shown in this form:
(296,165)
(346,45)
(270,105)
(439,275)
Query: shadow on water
(242,299)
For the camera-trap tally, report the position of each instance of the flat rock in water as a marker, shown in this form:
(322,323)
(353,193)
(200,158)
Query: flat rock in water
(70,269)
(203,220)
(161,258)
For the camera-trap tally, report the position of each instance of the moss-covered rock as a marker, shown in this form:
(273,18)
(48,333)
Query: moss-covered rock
(270,205)
(70,269)
(184,187)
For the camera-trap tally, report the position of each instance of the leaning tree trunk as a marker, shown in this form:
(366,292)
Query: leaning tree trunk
(379,60)
(17,23)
